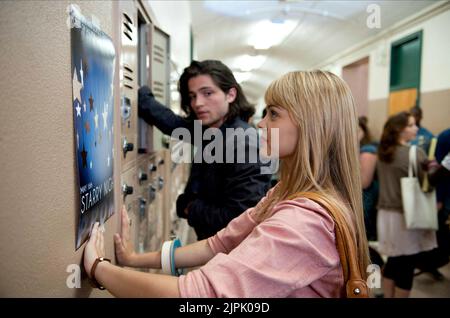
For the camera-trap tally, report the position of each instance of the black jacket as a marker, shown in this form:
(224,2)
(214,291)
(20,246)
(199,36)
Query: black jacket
(218,192)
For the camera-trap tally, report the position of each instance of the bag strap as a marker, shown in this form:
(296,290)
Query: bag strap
(355,286)
(412,165)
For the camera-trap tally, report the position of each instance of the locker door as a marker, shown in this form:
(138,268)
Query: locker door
(128,83)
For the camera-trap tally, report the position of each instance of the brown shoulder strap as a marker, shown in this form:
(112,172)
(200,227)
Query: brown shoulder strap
(355,286)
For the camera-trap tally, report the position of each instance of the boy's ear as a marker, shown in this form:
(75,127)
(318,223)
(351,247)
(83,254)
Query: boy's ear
(231,95)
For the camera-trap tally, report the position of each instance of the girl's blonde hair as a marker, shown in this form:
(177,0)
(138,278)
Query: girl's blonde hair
(326,157)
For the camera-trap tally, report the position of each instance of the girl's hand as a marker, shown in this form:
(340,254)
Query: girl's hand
(124,248)
(94,247)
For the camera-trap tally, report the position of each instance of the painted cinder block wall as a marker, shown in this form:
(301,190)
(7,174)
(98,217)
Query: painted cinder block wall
(38,218)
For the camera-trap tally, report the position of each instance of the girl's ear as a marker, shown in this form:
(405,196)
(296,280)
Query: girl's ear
(231,95)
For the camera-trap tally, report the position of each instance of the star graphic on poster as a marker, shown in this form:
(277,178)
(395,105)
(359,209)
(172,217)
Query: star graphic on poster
(105,118)
(91,165)
(91,103)
(96,119)
(87,126)
(78,108)
(84,157)
(81,73)
(108,161)
(78,141)
(76,87)
(84,107)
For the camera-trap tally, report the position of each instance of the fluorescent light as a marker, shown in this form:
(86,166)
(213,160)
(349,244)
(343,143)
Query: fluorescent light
(242,76)
(270,33)
(246,63)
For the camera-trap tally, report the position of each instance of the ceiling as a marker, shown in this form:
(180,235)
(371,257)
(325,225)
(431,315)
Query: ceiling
(324,28)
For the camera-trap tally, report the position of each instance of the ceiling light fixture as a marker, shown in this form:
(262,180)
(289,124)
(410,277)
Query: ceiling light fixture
(246,63)
(242,76)
(268,33)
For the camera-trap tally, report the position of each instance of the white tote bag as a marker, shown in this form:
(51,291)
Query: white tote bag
(419,208)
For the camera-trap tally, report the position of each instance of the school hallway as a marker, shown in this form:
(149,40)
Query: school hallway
(76,148)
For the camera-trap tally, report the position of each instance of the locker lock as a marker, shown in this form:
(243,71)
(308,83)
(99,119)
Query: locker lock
(142,203)
(142,176)
(125,108)
(152,167)
(160,183)
(125,112)
(151,193)
(126,189)
(161,162)
(127,146)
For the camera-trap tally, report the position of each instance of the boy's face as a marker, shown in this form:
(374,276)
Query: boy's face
(208,101)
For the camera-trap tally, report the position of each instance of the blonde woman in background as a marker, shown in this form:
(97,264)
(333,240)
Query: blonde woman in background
(285,246)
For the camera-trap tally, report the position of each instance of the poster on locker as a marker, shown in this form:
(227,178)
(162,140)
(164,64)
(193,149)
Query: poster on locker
(92,74)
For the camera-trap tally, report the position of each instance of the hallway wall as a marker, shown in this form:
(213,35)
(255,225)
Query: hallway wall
(435,82)
(38,192)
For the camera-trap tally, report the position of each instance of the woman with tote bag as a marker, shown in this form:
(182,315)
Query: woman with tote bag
(400,244)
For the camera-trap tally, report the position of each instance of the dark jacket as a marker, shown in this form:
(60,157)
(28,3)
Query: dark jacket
(217,192)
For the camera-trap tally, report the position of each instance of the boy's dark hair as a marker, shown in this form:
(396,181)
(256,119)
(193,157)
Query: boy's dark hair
(224,79)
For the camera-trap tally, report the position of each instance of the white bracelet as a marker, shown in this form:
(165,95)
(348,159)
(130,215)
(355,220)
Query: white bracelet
(165,258)
(168,258)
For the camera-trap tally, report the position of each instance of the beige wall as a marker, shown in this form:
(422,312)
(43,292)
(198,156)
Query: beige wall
(436,110)
(435,81)
(38,189)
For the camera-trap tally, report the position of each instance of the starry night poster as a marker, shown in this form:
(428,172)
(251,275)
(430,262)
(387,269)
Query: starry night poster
(93,57)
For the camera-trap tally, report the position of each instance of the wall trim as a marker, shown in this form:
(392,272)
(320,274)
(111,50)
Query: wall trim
(407,23)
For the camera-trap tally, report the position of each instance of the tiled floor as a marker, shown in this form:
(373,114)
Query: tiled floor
(425,286)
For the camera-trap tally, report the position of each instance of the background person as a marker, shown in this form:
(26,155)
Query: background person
(424,136)
(401,245)
(369,181)
(439,177)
